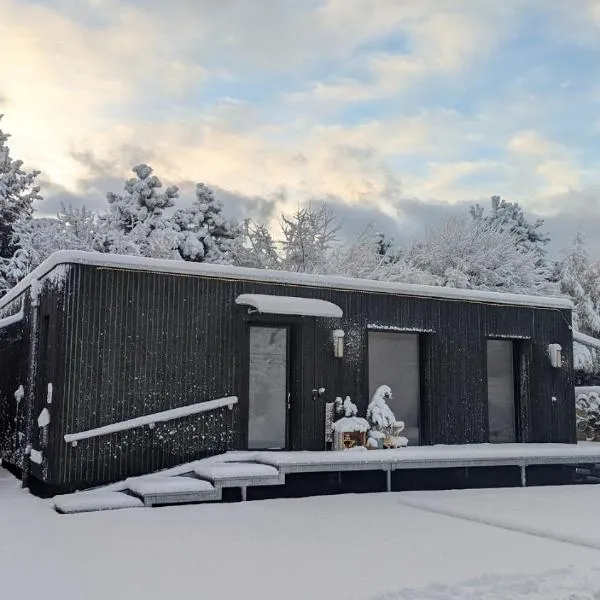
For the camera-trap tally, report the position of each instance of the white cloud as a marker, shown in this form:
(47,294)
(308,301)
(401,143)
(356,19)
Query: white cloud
(126,84)
(63,79)
(440,39)
(532,143)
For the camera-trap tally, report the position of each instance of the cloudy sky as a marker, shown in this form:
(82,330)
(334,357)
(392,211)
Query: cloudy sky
(395,111)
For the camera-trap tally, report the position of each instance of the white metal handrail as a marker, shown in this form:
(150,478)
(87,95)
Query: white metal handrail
(159,417)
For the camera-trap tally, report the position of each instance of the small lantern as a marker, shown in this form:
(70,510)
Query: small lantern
(338,343)
(555,355)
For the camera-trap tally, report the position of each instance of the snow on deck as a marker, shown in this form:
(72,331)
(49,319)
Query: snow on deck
(497,453)
(232,470)
(157,484)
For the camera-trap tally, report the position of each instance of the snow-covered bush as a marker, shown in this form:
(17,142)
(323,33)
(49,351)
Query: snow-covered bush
(349,422)
(588,415)
(383,421)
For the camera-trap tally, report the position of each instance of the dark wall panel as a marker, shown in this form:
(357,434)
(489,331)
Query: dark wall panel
(14,345)
(132,343)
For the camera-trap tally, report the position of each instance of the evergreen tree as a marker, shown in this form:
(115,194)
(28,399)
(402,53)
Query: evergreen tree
(135,222)
(17,195)
(205,234)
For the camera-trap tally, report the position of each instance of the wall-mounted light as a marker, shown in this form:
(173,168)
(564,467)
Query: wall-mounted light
(338,343)
(555,355)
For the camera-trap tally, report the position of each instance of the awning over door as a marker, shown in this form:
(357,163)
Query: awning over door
(288,305)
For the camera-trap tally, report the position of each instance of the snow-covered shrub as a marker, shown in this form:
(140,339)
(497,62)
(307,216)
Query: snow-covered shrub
(349,422)
(585,359)
(349,431)
(383,421)
(587,407)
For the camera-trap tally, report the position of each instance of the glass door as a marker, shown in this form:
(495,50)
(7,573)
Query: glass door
(501,391)
(268,388)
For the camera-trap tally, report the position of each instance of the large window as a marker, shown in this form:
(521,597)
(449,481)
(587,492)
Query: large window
(394,361)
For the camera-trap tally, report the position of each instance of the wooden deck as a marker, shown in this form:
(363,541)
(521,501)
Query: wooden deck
(434,457)
(204,480)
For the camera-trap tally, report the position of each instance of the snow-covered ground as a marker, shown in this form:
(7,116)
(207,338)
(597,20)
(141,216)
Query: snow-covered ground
(375,546)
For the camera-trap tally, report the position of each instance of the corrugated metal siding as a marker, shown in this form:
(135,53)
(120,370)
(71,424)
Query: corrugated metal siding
(136,343)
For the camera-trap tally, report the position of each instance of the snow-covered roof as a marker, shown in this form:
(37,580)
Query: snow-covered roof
(290,305)
(117,261)
(586,340)
(12,319)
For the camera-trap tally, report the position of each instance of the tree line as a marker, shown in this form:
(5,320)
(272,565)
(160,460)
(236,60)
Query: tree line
(495,248)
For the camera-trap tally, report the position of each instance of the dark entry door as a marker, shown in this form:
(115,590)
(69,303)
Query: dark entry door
(394,361)
(268,388)
(501,391)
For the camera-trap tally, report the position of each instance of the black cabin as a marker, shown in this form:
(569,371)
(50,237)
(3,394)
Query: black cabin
(90,342)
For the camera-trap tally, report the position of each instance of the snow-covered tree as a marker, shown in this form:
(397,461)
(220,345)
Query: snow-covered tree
(579,278)
(135,222)
(18,192)
(366,258)
(307,237)
(205,234)
(35,240)
(475,254)
(256,247)
(80,223)
(510,216)
(362,258)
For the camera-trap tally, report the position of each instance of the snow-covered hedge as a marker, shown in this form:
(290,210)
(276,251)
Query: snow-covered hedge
(587,406)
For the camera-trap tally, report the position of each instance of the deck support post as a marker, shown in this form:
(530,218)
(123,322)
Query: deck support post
(244,491)
(388,480)
(523,476)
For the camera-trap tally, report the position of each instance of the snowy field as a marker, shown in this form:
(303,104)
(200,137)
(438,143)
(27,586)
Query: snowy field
(536,543)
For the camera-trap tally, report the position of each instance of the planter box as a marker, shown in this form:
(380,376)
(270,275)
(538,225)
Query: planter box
(344,440)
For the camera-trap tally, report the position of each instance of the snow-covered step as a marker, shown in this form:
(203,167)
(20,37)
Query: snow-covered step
(239,474)
(94,501)
(158,489)
(234,474)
